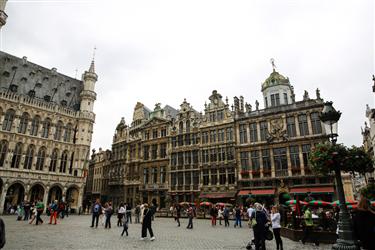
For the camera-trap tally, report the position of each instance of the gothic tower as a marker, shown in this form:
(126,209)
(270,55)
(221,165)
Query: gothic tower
(3,15)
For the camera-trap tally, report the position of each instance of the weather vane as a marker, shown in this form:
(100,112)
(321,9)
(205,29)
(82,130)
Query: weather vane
(93,53)
(273,63)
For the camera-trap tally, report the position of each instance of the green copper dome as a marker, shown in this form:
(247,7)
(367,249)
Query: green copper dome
(275,79)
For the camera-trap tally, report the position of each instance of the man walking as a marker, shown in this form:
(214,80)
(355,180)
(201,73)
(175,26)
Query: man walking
(27,210)
(96,210)
(39,210)
(190,214)
(53,210)
(308,227)
(226,216)
(146,222)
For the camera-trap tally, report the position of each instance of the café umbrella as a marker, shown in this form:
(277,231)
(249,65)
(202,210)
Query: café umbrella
(319,203)
(293,202)
(206,203)
(348,202)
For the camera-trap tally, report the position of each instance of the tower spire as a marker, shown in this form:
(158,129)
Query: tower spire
(273,64)
(92,66)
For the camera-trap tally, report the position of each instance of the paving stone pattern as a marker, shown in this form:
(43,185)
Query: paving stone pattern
(75,233)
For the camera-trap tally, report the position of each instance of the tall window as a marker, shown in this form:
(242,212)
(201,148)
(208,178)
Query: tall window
(196,178)
(154,133)
(35,126)
(163,132)
(273,101)
(180,158)
(8,120)
(187,126)
(266,101)
(222,176)
(255,160)
(174,159)
(229,134)
(71,163)
(154,175)
(68,132)
(154,151)
(174,141)
(280,159)
(3,152)
(213,136)
(305,154)
(173,179)
(162,174)
(41,158)
(316,124)
(231,176)
(58,132)
(46,128)
(244,157)
(263,130)
(195,157)
(187,178)
(266,161)
(206,177)
(294,156)
(243,133)
(214,176)
(163,150)
(53,163)
(285,98)
(221,135)
(24,121)
(181,127)
(253,132)
(145,175)
(277,97)
(187,157)
(180,178)
(187,139)
(146,150)
(213,157)
(29,157)
(205,156)
(146,135)
(291,126)
(64,160)
(230,153)
(303,126)
(17,155)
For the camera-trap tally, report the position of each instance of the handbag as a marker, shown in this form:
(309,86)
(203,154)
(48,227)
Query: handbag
(269,234)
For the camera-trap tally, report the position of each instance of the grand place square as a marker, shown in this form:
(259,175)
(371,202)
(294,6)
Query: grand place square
(167,125)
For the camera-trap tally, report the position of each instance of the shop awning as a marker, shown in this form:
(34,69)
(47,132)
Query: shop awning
(313,190)
(257,192)
(218,195)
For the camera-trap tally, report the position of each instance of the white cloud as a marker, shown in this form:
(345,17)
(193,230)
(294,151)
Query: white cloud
(164,51)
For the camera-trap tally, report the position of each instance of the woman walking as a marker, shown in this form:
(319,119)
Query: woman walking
(259,227)
(146,222)
(120,214)
(178,213)
(220,215)
(275,219)
(108,214)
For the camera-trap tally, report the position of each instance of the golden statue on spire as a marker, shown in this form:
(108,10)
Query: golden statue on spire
(273,64)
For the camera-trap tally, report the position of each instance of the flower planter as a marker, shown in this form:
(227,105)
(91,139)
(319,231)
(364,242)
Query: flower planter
(297,234)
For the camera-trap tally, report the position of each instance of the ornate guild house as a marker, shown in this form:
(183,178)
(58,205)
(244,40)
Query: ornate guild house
(46,125)
(227,153)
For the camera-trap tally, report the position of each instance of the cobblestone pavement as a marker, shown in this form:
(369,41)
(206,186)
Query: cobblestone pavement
(75,233)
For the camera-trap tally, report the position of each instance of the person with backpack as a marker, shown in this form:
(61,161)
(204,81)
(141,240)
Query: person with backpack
(96,210)
(258,222)
(39,209)
(53,210)
(108,214)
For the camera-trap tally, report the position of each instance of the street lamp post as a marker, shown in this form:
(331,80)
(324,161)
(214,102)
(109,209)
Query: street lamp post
(345,241)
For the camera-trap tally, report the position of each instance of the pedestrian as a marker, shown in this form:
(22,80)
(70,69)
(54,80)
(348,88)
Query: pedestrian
(220,214)
(177,213)
(33,213)
(276,227)
(190,214)
(213,213)
(259,220)
(96,210)
(61,209)
(125,225)
(364,224)
(237,211)
(120,214)
(108,214)
(67,209)
(39,209)
(146,223)
(226,216)
(53,210)
(308,226)
(20,212)
(26,206)
(128,213)
(2,233)
(137,213)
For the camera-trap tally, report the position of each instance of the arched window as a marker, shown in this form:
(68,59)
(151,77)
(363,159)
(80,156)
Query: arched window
(3,152)
(29,157)
(8,120)
(53,163)
(59,128)
(41,158)
(75,173)
(68,132)
(71,163)
(181,127)
(64,159)
(16,159)
(46,127)
(188,126)
(35,126)
(24,121)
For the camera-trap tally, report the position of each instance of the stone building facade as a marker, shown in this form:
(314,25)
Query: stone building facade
(226,153)
(46,125)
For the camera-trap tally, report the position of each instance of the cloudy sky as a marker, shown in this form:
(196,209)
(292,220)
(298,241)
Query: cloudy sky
(165,51)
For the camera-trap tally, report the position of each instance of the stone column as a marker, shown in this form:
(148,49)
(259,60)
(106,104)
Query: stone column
(308,117)
(301,160)
(45,197)
(298,134)
(289,161)
(273,170)
(2,197)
